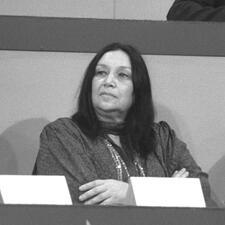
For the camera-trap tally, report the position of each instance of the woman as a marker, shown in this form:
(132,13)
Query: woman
(113,136)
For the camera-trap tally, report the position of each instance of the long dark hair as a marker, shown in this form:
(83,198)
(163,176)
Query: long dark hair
(140,117)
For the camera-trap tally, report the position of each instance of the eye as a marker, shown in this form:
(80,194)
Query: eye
(123,75)
(100,73)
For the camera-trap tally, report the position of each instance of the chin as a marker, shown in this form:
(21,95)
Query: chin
(107,107)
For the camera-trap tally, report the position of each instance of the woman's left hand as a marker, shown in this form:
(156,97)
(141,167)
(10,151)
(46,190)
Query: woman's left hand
(183,173)
(104,192)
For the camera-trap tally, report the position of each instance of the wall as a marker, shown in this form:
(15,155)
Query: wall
(111,9)
(38,87)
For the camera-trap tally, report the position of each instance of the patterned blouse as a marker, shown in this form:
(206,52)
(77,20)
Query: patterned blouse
(66,150)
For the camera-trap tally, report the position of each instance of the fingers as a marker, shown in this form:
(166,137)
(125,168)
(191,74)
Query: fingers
(90,185)
(90,193)
(183,173)
(103,192)
(98,199)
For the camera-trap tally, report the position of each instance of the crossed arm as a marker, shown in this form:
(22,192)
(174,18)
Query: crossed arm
(109,191)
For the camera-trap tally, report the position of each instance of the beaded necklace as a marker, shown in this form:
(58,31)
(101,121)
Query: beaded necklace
(120,164)
(119,129)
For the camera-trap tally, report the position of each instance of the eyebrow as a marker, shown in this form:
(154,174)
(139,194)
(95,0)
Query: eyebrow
(123,67)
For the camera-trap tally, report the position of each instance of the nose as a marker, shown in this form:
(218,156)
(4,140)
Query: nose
(110,80)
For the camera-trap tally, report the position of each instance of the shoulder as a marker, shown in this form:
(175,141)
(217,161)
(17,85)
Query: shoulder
(62,127)
(163,130)
(165,136)
(62,123)
(63,136)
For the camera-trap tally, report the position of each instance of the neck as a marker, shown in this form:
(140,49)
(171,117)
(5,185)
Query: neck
(110,117)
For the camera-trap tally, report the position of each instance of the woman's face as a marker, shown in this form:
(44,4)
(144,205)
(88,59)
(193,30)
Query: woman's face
(112,86)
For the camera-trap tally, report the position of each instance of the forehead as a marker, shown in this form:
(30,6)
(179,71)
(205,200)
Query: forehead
(115,58)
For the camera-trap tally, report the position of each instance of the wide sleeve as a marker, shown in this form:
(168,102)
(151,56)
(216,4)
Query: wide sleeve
(177,156)
(196,10)
(62,152)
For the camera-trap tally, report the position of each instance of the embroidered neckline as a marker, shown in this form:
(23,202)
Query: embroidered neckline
(120,164)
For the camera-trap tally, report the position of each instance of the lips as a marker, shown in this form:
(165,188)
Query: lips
(107,94)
